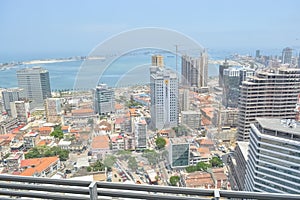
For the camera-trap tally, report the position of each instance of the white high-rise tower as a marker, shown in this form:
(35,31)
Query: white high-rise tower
(164,97)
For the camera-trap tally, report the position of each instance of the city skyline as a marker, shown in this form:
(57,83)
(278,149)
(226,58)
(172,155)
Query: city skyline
(56,29)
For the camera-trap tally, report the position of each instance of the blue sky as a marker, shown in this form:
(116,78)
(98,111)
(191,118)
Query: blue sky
(35,28)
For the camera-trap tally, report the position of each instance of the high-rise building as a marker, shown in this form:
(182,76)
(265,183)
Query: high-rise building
(274,157)
(164,98)
(232,79)
(257,54)
(270,93)
(179,153)
(158,60)
(53,110)
(10,95)
(185,100)
(36,84)
(225,65)
(238,163)
(191,119)
(287,55)
(20,110)
(195,70)
(104,99)
(141,134)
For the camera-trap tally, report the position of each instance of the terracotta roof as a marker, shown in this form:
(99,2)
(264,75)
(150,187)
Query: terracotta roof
(7,137)
(206,142)
(65,128)
(45,128)
(100,142)
(199,179)
(118,106)
(119,120)
(40,164)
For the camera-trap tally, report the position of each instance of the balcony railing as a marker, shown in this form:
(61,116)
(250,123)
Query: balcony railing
(45,188)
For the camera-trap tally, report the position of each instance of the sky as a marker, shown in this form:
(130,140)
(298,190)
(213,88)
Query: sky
(56,28)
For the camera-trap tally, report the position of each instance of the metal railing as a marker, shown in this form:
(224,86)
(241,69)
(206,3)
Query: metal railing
(45,188)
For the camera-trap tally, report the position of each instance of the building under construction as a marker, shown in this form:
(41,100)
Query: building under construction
(270,93)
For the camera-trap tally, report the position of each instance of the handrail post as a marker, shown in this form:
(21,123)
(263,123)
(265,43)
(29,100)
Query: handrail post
(93,191)
(216,194)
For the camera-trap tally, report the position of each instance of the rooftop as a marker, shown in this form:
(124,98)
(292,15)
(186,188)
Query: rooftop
(286,126)
(244,146)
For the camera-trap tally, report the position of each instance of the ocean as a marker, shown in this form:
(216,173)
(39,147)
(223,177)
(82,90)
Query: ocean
(129,69)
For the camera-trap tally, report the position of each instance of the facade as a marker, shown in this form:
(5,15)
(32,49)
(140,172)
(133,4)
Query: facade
(20,110)
(191,118)
(31,139)
(7,125)
(104,100)
(238,164)
(53,110)
(195,70)
(164,98)
(232,79)
(185,100)
(274,157)
(225,65)
(35,83)
(10,95)
(179,153)
(225,117)
(158,60)
(141,134)
(270,93)
(287,55)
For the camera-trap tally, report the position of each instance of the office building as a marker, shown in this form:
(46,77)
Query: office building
(164,98)
(8,96)
(287,54)
(227,117)
(232,79)
(53,110)
(192,119)
(20,110)
(194,71)
(104,100)
(225,65)
(141,134)
(35,83)
(185,100)
(158,60)
(238,163)
(274,157)
(270,93)
(179,152)
(257,54)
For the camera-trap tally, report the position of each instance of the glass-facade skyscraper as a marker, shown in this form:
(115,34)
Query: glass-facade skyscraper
(35,83)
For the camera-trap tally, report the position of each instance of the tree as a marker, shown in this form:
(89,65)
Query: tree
(191,169)
(124,155)
(45,151)
(174,180)
(57,133)
(202,166)
(132,163)
(151,156)
(109,160)
(98,166)
(216,162)
(160,142)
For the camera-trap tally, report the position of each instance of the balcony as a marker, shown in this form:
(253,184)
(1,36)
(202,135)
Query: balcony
(45,188)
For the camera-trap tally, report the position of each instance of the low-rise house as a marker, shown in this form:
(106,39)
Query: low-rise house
(40,167)
(100,145)
(14,160)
